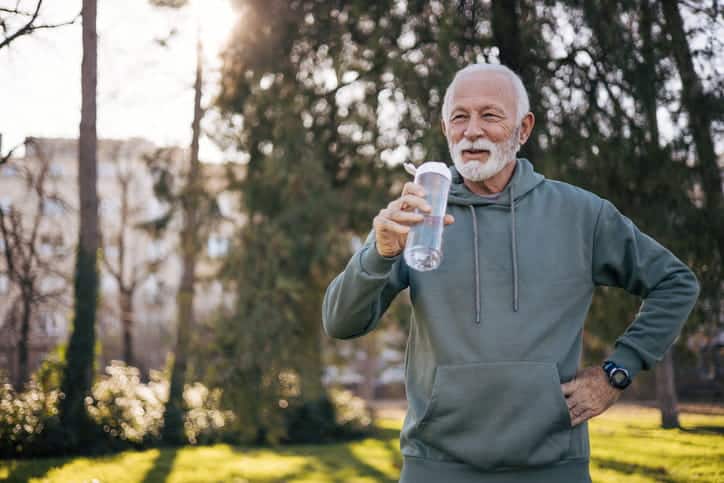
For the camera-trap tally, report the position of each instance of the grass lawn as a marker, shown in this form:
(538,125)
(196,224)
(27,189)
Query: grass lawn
(626,447)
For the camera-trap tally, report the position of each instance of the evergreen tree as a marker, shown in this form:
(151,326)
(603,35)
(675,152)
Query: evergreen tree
(306,78)
(325,93)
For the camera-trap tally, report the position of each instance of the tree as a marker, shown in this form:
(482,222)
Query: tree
(313,180)
(197,211)
(624,73)
(128,273)
(78,373)
(191,243)
(360,84)
(17,22)
(25,235)
(703,109)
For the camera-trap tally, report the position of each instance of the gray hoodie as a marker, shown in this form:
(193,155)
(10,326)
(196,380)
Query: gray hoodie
(498,326)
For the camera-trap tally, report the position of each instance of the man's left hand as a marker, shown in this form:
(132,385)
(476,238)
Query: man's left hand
(589,394)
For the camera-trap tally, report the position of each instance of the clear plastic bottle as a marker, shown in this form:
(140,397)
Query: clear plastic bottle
(423,249)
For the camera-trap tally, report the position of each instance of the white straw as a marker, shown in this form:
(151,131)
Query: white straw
(410,168)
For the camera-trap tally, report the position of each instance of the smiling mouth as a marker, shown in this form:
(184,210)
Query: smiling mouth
(474,152)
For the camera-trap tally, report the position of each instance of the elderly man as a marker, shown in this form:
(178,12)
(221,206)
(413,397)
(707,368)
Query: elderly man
(496,333)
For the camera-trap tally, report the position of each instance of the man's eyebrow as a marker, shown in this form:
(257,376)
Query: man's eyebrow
(484,107)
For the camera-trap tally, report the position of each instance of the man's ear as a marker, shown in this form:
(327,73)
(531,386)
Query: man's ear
(442,125)
(526,127)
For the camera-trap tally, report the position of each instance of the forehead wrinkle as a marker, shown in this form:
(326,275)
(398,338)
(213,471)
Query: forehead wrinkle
(485,106)
(490,87)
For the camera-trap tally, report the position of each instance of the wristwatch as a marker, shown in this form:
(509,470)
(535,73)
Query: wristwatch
(618,376)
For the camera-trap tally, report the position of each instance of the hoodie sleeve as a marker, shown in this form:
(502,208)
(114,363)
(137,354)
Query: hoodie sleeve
(358,297)
(625,257)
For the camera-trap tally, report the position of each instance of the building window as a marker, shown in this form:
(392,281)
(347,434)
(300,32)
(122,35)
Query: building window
(56,170)
(105,170)
(8,170)
(217,246)
(154,290)
(50,244)
(155,250)
(52,207)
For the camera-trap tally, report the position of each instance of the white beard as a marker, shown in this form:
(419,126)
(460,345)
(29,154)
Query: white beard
(500,155)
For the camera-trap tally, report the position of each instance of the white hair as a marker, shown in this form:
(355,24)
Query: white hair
(522,102)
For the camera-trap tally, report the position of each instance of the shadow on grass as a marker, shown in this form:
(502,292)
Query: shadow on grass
(391,439)
(658,473)
(707,430)
(386,433)
(162,466)
(338,462)
(24,470)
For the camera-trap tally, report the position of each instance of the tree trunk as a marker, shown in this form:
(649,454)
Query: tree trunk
(695,102)
(173,429)
(78,375)
(647,86)
(23,341)
(508,38)
(666,392)
(368,367)
(127,324)
(310,354)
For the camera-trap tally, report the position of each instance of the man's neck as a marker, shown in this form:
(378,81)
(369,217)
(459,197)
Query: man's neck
(494,184)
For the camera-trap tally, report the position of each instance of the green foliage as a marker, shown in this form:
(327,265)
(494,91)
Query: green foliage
(27,419)
(123,412)
(308,189)
(124,407)
(78,374)
(132,411)
(326,93)
(339,416)
(50,373)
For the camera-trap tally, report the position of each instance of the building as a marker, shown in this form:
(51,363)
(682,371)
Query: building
(126,201)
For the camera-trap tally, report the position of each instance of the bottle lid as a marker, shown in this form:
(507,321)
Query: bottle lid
(433,167)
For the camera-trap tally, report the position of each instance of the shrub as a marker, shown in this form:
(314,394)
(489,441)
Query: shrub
(127,412)
(132,411)
(125,408)
(28,420)
(352,415)
(205,421)
(340,415)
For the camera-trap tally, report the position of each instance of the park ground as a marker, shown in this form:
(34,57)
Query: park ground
(626,446)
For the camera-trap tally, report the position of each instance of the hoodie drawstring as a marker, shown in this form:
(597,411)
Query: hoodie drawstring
(477,266)
(514,248)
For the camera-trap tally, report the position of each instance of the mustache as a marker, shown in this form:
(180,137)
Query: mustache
(478,144)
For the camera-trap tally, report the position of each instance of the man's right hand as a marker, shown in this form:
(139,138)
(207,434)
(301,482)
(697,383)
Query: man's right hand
(393,223)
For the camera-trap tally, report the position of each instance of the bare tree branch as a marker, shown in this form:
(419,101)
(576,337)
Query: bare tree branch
(6,240)
(114,273)
(4,158)
(30,26)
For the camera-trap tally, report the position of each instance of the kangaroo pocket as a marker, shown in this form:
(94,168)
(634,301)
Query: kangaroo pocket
(493,415)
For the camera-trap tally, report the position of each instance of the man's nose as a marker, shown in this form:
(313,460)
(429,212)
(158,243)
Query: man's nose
(474,129)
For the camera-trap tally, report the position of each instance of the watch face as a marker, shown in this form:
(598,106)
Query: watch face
(619,377)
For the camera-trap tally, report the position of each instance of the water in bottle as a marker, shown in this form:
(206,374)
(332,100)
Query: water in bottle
(423,250)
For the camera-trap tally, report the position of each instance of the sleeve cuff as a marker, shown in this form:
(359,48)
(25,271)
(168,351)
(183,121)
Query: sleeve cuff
(375,264)
(627,358)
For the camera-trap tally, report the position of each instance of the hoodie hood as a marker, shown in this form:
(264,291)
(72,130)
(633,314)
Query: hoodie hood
(524,180)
